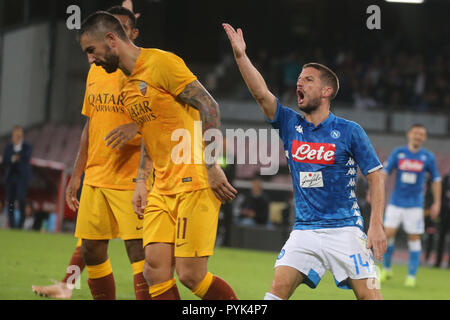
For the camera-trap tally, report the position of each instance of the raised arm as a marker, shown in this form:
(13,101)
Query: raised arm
(198,97)
(255,82)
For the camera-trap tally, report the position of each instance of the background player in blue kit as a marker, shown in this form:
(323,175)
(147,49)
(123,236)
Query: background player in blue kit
(323,152)
(412,162)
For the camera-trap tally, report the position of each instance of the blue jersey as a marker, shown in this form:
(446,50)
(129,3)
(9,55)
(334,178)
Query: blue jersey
(323,163)
(411,169)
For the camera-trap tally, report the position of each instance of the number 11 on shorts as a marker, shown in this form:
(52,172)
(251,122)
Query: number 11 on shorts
(184,228)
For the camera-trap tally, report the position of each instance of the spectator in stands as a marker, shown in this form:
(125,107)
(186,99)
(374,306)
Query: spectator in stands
(290,68)
(430,224)
(29,217)
(444,225)
(362,99)
(16,159)
(2,215)
(255,207)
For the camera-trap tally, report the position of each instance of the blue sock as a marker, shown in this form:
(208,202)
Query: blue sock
(387,257)
(415,249)
(414,259)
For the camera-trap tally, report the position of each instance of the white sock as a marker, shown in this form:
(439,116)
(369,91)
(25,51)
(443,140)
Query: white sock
(391,241)
(270,296)
(415,245)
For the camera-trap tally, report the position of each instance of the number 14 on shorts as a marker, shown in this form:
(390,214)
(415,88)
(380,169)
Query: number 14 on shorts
(359,263)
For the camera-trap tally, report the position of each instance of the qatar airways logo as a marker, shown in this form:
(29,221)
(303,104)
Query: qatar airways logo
(311,152)
(410,165)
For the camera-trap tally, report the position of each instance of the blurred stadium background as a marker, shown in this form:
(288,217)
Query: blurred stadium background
(390,79)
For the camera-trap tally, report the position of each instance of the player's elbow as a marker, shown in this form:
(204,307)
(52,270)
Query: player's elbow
(376,178)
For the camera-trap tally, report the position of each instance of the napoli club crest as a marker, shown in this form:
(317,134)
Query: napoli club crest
(335,134)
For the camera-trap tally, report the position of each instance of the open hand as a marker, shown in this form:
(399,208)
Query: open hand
(376,240)
(219,184)
(129,5)
(139,199)
(236,39)
(121,135)
(71,193)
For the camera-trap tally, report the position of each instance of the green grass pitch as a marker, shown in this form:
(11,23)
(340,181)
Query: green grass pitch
(30,258)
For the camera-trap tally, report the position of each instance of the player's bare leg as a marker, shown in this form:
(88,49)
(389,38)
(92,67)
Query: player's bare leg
(285,280)
(159,271)
(193,273)
(365,289)
(136,256)
(386,271)
(61,290)
(101,279)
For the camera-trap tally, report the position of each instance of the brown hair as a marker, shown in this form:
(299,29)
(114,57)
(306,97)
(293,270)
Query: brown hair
(327,76)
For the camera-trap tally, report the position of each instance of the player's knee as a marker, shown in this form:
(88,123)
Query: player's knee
(281,287)
(147,272)
(135,250)
(369,294)
(94,252)
(156,272)
(190,278)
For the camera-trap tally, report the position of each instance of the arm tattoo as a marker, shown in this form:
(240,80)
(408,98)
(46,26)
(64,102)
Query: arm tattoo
(198,97)
(145,164)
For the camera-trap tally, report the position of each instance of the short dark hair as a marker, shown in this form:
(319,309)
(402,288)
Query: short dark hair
(326,76)
(417,125)
(102,22)
(122,11)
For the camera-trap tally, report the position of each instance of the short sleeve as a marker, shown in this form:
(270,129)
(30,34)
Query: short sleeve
(391,162)
(86,110)
(432,168)
(363,151)
(171,73)
(281,119)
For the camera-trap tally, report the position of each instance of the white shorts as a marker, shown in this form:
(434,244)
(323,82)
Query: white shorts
(343,251)
(411,218)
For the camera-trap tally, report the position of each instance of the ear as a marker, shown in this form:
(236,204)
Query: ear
(110,39)
(134,33)
(327,92)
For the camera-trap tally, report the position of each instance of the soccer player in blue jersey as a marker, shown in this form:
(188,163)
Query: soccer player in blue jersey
(323,152)
(411,162)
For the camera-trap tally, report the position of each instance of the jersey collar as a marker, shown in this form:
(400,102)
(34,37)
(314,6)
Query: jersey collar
(324,123)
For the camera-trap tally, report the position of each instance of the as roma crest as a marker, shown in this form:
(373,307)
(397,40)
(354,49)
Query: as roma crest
(143,88)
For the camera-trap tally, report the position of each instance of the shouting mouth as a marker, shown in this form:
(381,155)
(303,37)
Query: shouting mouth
(301,96)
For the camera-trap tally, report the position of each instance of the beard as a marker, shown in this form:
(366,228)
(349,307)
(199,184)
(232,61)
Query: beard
(311,106)
(111,61)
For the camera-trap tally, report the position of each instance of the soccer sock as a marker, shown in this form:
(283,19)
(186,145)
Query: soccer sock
(101,281)
(415,248)
(271,296)
(214,288)
(165,290)
(140,285)
(75,261)
(387,257)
